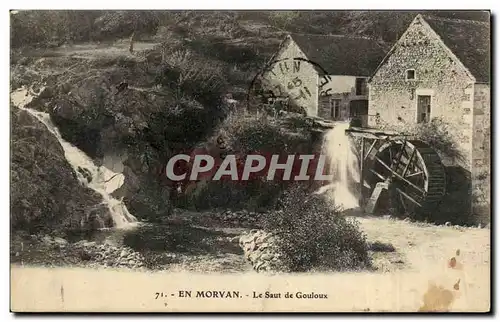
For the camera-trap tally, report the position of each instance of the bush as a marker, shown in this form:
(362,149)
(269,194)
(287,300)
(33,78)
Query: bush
(312,235)
(438,133)
(52,28)
(266,134)
(244,136)
(252,195)
(283,19)
(193,75)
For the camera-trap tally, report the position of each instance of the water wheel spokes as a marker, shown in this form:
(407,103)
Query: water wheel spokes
(392,174)
(407,167)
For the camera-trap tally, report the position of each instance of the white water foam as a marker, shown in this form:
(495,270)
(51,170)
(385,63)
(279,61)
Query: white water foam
(102,180)
(343,165)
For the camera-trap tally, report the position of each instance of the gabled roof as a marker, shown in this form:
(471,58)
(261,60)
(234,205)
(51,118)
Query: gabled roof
(468,40)
(342,55)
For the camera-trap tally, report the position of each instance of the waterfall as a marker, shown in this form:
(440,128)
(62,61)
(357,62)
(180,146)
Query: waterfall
(100,179)
(343,165)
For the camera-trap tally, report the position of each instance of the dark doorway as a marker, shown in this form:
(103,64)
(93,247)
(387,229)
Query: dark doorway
(361,86)
(334,109)
(359,109)
(423,108)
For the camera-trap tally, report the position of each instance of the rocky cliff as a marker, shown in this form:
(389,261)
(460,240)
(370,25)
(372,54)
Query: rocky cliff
(45,192)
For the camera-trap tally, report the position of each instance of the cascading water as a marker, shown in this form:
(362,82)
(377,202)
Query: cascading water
(100,179)
(343,166)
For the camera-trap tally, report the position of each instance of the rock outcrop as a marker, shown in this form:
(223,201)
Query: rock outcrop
(83,105)
(260,250)
(58,251)
(238,218)
(45,192)
(108,255)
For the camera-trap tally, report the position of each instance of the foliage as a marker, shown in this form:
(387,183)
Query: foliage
(384,25)
(437,134)
(283,19)
(188,74)
(266,134)
(250,135)
(255,195)
(124,23)
(177,129)
(312,235)
(53,28)
(205,54)
(43,27)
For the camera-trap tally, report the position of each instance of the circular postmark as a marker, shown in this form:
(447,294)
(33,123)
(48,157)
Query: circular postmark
(289,84)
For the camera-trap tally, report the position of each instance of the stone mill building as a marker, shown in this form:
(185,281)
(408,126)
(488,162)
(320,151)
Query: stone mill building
(324,75)
(440,69)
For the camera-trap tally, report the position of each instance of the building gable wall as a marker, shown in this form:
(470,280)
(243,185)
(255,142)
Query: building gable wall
(393,98)
(301,82)
(296,79)
(455,98)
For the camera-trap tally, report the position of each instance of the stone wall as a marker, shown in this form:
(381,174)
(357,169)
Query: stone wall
(296,79)
(300,81)
(481,171)
(324,106)
(260,250)
(338,87)
(393,99)
(455,99)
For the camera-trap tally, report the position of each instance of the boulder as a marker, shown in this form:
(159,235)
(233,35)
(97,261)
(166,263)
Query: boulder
(41,175)
(96,217)
(47,239)
(260,250)
(60,241)
(46,92)
(106,255)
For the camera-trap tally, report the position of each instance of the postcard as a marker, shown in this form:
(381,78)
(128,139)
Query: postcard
(250,161)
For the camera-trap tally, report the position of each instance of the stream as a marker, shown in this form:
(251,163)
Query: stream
(98,178)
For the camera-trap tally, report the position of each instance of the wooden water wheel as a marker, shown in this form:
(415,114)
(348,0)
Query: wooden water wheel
(408,171)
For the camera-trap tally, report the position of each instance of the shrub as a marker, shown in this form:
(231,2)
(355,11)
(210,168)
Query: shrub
(252,195)
(189,74)
(243,136)
(119,23)
(438,134)
(48,28)
(282,19)
(312,235)
(266,134)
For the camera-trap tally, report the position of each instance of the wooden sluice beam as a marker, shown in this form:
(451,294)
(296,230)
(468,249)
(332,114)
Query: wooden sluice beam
(377,134)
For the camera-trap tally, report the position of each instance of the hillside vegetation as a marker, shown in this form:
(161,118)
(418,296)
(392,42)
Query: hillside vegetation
(58,27)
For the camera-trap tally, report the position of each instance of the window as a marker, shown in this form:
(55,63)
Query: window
(361,87)
(335,108)
(410,74)
(423,108)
